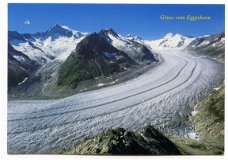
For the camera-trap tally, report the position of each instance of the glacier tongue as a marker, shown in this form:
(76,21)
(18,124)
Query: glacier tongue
(164,96)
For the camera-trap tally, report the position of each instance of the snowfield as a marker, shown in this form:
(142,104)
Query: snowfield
(171,41)
(164,96)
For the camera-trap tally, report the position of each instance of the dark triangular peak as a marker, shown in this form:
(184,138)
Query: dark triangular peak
(105,32)
(95,45)
(93,57)
(94,42)
(111,31)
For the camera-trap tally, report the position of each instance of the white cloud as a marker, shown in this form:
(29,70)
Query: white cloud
(27,22)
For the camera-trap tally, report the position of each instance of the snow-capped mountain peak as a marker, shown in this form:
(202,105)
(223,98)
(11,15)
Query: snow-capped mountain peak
(172,35)
(168,35)
(108,33)
(170,40)
(56,43)
(133,37)
(58,31)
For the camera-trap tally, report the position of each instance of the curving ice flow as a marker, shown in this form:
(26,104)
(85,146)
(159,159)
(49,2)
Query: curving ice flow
(163,97)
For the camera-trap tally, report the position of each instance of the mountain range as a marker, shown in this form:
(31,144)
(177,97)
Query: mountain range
(63,57)
(211,45)
(171,40)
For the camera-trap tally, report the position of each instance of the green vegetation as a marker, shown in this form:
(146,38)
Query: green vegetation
(189,146)
(89,61)
(120,141)
(214,52)
(78,68)
(209,124)
(74,70)
(209,121)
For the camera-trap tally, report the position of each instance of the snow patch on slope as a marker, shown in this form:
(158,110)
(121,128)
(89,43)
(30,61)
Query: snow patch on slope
(32,52)
(77,34)
(59,48)
(23,81)
(127,45)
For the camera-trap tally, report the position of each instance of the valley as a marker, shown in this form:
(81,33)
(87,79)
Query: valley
(164,97)
(113,79)
(66,86)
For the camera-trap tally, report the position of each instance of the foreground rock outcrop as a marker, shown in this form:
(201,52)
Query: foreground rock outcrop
(120,141)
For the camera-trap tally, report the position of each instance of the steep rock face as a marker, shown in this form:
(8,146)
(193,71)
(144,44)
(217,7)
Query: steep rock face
(16,74)
(20,67)
(213,45)
(135,49)
(93,57)
(203,42)
(24,43)
(22,59)
(148,141)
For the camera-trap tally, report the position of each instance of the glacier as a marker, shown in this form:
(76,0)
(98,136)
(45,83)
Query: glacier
(164,96)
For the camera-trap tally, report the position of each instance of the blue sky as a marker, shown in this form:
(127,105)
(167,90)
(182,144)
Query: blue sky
(142,20)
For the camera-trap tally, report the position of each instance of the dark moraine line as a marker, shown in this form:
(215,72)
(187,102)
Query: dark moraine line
(108,113)
(66,112)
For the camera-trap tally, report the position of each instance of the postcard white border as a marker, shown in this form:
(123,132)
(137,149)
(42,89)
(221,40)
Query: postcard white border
(3,81)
